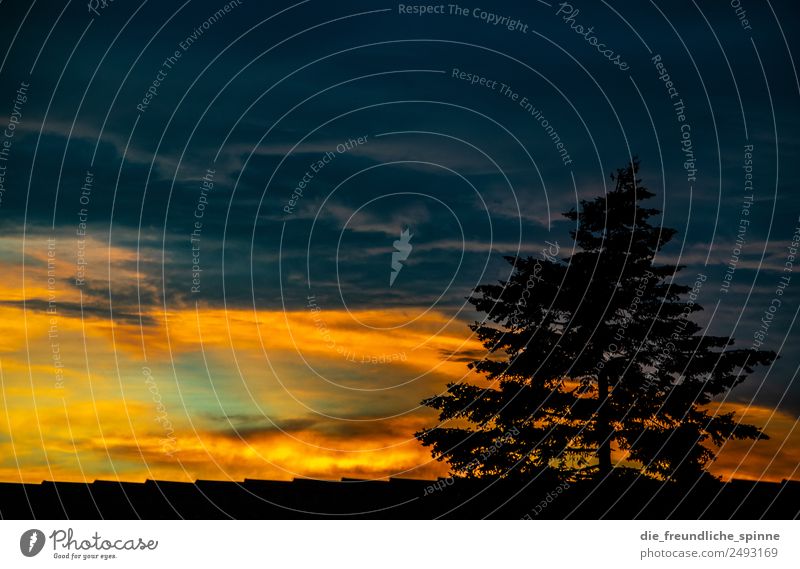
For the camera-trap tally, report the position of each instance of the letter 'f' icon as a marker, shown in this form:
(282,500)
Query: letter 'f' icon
(31,542)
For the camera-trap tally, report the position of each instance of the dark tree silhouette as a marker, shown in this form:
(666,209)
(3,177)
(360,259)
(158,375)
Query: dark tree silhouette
(591,354)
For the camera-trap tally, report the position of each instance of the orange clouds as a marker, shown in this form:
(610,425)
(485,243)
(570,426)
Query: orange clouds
(355,390)
(771,460)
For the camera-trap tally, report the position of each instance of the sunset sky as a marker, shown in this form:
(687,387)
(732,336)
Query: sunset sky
(288,353)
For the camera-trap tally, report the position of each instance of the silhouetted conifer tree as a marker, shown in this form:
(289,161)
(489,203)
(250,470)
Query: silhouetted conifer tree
(593,354)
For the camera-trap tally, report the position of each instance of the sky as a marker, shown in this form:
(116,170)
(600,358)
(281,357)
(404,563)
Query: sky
(200,202)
